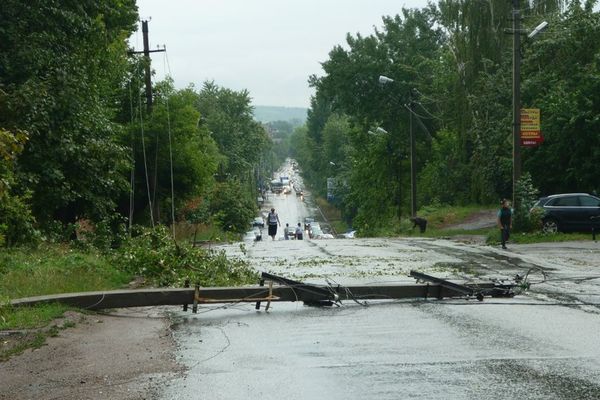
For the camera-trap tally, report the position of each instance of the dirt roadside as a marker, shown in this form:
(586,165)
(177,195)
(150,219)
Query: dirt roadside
(479,220)
(125,354)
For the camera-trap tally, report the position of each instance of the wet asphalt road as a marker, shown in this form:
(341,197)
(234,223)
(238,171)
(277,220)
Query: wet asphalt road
(542,344)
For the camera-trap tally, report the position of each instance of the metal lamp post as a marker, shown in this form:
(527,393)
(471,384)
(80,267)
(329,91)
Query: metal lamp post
(413,157)
(516,88)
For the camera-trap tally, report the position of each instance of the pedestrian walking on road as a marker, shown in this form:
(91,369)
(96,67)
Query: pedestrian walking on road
(299,231)
(286,232)
(504,221)
(273,221)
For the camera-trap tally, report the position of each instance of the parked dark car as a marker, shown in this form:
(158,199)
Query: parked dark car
(569,212)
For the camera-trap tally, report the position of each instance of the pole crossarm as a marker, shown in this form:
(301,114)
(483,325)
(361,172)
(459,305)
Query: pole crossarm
(149,51)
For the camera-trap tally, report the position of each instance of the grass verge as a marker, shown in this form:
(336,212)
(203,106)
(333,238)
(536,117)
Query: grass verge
(441,220)
(538,237)
(28,328)
(49,269)
(56,269)
(333,215)
(52,269)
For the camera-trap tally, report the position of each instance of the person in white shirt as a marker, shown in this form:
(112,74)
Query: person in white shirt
(273,221)
(299,231)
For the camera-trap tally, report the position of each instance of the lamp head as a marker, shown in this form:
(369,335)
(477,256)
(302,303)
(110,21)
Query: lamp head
(384,80)
(378,131)
(537,29)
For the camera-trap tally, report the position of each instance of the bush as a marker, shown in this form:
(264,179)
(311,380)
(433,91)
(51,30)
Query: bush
(104,235)
(231,207)
(16,221)
(157,257)
(526,195)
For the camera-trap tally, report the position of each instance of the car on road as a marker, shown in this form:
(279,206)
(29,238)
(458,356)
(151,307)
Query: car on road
(315,231)
(307,222)
(569,212)
(349,235)
(276,186)
(258,222)
(291,231)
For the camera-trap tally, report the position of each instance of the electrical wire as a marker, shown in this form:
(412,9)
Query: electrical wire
(145,158)
(132,177)
(165,64)
(96,303)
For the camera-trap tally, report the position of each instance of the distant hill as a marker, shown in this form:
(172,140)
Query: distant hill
(295,115)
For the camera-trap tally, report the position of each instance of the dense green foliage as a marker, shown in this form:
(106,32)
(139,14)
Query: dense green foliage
(16,221)
(79,146)
(155,256)
(451,64)
(61,66)
(231,207)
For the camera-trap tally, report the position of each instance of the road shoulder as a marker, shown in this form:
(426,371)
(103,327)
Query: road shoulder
(126,354)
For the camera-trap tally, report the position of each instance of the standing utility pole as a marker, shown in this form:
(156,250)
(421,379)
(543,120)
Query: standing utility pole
(413,164)
(516,31)
(148,82)
(147,73)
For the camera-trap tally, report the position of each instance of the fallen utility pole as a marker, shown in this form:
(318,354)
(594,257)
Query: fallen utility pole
(478,291)
(284,290)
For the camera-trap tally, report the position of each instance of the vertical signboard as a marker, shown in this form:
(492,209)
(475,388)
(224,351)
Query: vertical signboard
(331,189)
(531,133)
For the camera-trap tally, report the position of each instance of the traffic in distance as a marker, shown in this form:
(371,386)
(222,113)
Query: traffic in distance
(296,209)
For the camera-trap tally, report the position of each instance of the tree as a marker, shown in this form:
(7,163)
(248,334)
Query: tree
(232,208)
(16,221)
(227,115)
(171,146)
(562,78)
(62,64)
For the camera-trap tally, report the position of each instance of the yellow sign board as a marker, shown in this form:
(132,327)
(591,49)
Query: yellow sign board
(531,134)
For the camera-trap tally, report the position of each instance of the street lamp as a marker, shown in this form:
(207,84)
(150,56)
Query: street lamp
(538,29)
(378,131)
(384,80)
(516,31)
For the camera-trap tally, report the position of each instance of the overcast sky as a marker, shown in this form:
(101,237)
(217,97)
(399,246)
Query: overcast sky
(269,47)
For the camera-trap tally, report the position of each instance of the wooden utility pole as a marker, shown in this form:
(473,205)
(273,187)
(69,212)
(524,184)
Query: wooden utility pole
(148,71)
(148,82)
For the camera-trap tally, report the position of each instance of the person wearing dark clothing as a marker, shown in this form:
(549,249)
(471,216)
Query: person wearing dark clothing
(420,222)
(273,221)
(504,221)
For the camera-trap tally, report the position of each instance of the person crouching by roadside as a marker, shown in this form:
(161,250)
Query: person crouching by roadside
(504,221)
(273,221)
(299,231)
